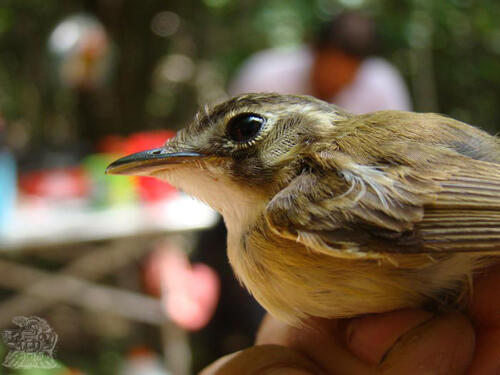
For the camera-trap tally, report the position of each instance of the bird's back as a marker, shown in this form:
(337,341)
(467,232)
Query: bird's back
(380,128)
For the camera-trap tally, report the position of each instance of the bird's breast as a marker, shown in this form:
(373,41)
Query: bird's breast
(293,282)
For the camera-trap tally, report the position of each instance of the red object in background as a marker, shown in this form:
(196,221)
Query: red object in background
(150,189)
(60,183)
(189,292)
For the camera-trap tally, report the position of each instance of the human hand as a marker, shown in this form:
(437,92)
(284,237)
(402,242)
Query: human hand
(398,342)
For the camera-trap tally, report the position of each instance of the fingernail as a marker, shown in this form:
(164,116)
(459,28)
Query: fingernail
(371,337)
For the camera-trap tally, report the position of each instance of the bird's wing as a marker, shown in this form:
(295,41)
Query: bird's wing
(443,203)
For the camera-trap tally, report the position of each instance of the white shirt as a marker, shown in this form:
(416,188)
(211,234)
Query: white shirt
(376,86)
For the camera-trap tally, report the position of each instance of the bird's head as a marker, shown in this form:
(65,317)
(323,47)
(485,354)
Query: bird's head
(243,150)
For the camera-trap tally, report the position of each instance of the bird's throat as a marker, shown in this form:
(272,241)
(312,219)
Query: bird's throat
(239,205)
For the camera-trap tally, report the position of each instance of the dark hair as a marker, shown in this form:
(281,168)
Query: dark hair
(351,32)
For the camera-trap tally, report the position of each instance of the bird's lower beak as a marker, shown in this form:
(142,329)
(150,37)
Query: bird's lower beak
(147,162)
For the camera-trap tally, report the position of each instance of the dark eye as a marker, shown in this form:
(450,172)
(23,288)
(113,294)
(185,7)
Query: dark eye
(244,127)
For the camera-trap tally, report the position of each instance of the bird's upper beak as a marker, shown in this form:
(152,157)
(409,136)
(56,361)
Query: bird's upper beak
(147,162)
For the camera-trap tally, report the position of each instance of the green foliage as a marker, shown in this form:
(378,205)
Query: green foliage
(448,51)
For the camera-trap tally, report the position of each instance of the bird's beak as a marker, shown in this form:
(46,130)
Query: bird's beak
(150,161)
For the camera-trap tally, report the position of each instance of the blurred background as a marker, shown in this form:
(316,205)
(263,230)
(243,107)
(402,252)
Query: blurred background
(130,274)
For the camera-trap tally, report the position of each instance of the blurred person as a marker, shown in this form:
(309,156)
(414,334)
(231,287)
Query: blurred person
(339,67)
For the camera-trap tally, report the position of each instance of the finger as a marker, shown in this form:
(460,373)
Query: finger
(487,356)
(263,360)
(442,345)
(485,313)
(485,304)
(318,341)
(370,337)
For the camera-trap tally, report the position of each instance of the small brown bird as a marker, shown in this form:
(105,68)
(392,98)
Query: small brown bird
(331,214)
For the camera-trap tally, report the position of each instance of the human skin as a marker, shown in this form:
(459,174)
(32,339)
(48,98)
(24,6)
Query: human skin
(399,342)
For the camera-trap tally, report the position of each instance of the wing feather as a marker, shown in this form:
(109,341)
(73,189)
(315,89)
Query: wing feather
(350,209)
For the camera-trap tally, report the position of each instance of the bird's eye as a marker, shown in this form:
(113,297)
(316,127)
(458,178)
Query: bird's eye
(244,127)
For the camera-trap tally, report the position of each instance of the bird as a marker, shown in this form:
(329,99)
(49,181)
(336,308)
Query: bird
(332,214)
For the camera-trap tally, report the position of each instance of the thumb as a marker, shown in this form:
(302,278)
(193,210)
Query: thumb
(263,360)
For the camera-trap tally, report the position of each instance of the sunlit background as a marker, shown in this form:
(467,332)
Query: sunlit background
(106,260)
